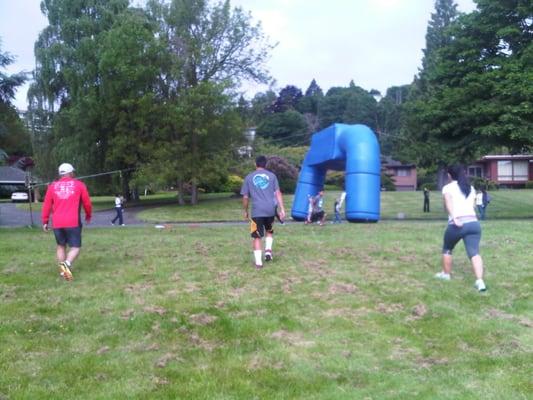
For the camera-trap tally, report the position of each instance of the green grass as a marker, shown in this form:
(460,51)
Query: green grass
(394,205)
(344,312)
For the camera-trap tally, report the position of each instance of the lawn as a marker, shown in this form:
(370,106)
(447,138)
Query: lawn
(394,205)
(346,311)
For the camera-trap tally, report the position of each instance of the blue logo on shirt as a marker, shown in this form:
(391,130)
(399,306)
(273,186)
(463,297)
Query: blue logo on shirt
(261,181)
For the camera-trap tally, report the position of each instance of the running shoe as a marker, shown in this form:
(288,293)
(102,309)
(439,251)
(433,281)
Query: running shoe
(480,285)
(443,275)
(65,271)
(268,255)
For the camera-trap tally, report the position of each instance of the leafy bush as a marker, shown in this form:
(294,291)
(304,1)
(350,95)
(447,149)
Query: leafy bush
(286,172)
(529,185)
(387,182)
(479,183)
(336,179)
(234,184)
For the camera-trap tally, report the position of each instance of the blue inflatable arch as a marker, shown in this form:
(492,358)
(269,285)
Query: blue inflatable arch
(340,147)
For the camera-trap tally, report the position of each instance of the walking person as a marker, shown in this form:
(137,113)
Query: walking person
(262,187)
(64,199)
(459,199)
(426,200)
(318,214)
(119,209)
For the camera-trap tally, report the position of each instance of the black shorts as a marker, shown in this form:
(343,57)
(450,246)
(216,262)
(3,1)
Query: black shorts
(260,225)
(70,236)
(470,232)
(317,216)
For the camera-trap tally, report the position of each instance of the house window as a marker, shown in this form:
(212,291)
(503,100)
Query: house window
(475,171)
(512,170)
(403,172)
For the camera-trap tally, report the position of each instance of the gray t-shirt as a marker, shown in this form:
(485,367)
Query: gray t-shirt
(261,186)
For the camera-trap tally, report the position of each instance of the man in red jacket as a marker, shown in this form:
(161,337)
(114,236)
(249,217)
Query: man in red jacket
(64,199)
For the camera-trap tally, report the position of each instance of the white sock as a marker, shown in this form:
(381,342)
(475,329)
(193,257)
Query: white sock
(268,243)
(258,255)
(68,263)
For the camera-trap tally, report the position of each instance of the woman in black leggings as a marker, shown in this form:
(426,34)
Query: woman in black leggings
(459,202)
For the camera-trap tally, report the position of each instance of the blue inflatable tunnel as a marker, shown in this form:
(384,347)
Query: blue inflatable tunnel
(350,148)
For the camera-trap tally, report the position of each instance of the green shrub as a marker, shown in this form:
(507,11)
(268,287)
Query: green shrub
(479,183)
(234,184)
(529,185)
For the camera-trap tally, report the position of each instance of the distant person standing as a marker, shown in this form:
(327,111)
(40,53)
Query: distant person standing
(262,187)
(337,208)
(479,205)
(119,209)
(459,199)
(64,199)
(486,201)
(426,200)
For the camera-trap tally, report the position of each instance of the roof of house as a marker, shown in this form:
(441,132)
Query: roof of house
(507,157)
(12,176)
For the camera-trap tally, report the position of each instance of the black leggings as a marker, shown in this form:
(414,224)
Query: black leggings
(470,232)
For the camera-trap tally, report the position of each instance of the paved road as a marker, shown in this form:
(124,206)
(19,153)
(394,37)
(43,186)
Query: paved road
(11,216)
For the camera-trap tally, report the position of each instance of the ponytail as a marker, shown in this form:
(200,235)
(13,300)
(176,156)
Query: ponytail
(458,174)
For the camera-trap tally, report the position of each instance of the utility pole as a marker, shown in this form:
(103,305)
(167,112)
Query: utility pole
(30,197)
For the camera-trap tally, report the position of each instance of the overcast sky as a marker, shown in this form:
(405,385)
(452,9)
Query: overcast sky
(377,43)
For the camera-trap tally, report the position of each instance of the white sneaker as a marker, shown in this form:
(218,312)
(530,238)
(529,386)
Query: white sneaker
(480,285)
(443,275)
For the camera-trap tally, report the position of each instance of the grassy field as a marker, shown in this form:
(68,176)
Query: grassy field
(406,205)
(344,312)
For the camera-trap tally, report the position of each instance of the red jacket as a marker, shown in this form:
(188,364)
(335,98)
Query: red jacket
(64,199)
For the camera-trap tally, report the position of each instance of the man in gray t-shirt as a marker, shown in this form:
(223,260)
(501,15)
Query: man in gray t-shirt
(263,188)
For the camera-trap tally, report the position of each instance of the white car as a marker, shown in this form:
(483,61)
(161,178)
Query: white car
(19,196)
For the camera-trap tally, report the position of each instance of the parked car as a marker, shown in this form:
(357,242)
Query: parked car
(19,197)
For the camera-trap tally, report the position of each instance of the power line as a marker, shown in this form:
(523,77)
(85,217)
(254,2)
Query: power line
(88,176)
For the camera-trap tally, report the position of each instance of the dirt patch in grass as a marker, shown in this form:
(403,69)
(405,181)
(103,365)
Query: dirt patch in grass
(155,310)
(127,314)
(138,288)
(292,338)
(418,312)
(165,359)
(202,319)
(201,249)
(389,308)
(203,344)
(320,267)
(337,288)
(347,313)
(495,313)
(102,350)
(429,362)
(288,284)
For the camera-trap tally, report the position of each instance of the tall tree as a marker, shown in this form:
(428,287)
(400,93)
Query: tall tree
(14,138)
(476,98)
(351,105)
(65,97)
(288,99)
(209,44)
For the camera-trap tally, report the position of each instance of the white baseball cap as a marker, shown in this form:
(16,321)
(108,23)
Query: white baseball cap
(65,168)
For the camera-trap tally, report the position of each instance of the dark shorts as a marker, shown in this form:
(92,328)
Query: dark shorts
(469,232)
(70,236)
(317,216)
(260,225)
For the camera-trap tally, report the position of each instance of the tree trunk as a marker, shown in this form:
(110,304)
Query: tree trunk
(181,200)
(442,177)
(125,183)
(195,161)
